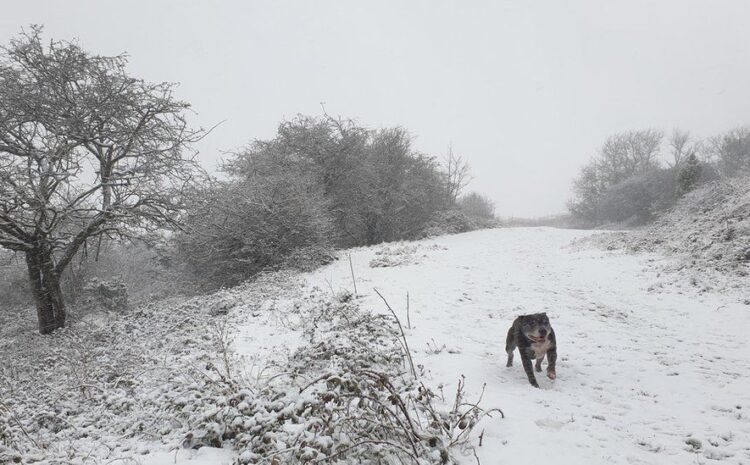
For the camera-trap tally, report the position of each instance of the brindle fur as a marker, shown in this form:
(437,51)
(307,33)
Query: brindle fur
(535,325)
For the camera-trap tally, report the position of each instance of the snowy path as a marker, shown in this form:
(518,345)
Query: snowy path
(640,371)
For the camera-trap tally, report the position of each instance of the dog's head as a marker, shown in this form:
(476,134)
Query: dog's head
(535,327)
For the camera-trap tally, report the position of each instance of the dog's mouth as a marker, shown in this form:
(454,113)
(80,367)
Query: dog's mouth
(537,338)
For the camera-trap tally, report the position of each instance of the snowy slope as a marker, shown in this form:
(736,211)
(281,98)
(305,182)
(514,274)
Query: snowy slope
(707,232)
(647,374)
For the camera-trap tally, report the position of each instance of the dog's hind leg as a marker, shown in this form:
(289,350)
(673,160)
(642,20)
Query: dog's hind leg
(538,365)
(510,346)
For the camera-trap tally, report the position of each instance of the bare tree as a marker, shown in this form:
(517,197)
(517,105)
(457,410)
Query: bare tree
(628,154)
(731,151)
(85,151)
(457,175)
(680,147)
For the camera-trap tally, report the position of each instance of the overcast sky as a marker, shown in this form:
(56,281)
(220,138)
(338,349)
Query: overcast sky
(526,91)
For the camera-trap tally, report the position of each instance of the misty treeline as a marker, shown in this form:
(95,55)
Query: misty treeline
(639,174)
(98,179)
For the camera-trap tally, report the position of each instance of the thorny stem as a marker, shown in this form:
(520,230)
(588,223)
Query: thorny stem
(403,335)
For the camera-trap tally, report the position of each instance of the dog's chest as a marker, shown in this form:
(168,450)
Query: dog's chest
(541,348)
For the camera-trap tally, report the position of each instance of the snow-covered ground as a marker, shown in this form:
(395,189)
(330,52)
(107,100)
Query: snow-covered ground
(647,374)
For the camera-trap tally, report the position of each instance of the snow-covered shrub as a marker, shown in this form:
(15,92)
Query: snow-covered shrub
(638,199)
(238,229)
(111,294)
(477,206)
(345,397)
(455,221)
(374,185)
(148,270)
(14,281)
(308,258)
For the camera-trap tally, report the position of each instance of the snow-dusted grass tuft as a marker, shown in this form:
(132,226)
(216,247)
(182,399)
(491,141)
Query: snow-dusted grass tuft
(400,254)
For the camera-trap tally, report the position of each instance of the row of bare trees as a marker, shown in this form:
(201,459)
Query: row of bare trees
(632,179)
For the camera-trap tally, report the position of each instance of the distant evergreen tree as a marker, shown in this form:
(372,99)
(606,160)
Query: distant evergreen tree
(688,175)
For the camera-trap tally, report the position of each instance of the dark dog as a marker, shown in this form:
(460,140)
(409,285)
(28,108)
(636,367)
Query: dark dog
(534,337)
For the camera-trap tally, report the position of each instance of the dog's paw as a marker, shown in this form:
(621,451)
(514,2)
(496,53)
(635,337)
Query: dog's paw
(551,375)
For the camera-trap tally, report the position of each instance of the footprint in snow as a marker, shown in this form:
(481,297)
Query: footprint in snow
(550,424)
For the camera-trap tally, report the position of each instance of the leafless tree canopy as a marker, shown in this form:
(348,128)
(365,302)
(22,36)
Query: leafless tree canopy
(457,174)
(680,147)
(85,151)
(629,153)
(731,151)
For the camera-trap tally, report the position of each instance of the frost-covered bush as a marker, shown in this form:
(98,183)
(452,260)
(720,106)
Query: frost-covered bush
(238,229)
(109,294)
(308,258)
(732,151)
(455,221)
(448,222)
(147,269)
(477,206)
(345,397)
(14,281)
(638,199)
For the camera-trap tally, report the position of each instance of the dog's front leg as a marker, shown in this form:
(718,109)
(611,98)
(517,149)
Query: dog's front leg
(528,367)
(551,359)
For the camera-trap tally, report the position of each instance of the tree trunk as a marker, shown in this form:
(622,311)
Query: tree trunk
(45,285)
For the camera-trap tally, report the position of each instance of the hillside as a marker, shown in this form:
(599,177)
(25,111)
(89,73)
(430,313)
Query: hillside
(707,233)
